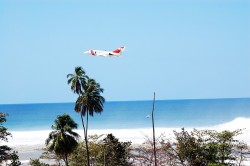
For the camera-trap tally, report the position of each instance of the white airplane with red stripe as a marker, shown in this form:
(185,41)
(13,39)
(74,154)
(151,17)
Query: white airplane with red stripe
(117,52)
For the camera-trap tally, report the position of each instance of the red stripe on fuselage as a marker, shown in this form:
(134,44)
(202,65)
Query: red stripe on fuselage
(92,52)
(117,50)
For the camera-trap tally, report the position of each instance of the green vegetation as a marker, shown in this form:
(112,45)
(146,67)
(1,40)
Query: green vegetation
(195,148)
(104,151)
(207,147)
(62,141)
(36,162)
(115,152)
(5,151)
(14,159)
(89,99)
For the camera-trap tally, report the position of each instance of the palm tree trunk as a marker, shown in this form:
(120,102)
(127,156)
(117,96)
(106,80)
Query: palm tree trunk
(87,123)
(66,160)
(83,126)
(86,138)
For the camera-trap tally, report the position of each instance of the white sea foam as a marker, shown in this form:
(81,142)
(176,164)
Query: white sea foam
(238,123)
(22,138)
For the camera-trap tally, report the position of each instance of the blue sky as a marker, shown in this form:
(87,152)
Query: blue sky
(180,49)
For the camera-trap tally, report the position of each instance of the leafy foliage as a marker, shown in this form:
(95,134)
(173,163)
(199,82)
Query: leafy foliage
(190,148)
(62,141)
(116,153)
(5,151)
(77,80)
(195,148)
(3,130)
(207,147)
(14,159)
(107,151)
(37,162)
(90,101)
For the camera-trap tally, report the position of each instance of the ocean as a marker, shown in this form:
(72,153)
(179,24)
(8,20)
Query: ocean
(130,114)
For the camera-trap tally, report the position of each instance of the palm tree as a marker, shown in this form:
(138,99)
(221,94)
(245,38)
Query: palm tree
(62,141)
(88,103)
(77,80)
(89,99)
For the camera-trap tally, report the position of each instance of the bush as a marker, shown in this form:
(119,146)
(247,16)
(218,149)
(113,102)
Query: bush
(104,151)
(36,162)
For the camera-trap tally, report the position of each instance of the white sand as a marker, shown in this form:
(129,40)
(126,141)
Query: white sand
(30,143)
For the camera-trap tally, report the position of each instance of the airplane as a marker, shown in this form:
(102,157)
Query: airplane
(117,52)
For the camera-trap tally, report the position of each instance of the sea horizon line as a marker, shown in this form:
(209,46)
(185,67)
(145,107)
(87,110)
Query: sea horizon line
(112,101)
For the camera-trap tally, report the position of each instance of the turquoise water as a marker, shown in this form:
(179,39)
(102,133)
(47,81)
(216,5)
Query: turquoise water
(131,114)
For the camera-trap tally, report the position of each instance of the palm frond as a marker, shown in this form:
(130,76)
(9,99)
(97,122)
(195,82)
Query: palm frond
(70,75)
(70,80)
(62,140)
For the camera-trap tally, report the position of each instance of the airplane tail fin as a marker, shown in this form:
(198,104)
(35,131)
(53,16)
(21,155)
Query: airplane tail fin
(119,50)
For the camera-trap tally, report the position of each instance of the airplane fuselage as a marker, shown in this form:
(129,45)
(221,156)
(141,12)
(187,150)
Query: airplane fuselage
(105,53)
